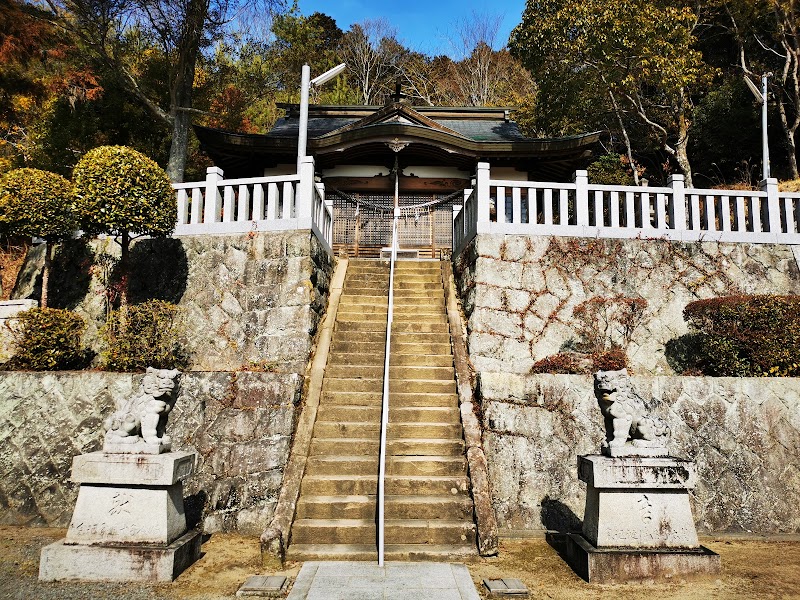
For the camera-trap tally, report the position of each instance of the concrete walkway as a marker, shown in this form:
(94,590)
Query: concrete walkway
(393,581)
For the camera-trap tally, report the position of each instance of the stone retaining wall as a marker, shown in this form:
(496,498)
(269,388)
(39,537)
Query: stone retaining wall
(518,295)
(249,298)
(519,292)
(743,433)
(241,425)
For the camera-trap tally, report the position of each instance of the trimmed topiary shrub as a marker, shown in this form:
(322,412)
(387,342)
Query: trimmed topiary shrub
(48,339)
(39,204)
(747,336)
(150,337)
(121,192)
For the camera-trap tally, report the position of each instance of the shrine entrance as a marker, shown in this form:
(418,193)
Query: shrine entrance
(363,222)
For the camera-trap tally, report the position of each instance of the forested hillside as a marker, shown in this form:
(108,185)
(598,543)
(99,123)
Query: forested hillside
(664,79)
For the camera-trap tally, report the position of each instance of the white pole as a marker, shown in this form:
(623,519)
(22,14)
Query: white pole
(764,139)
(302,135)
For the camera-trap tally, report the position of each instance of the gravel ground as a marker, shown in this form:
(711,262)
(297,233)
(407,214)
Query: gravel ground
(762,569)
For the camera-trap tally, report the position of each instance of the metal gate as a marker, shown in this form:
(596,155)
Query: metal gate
(362,223)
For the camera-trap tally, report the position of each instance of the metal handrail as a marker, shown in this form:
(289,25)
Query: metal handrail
(385,403)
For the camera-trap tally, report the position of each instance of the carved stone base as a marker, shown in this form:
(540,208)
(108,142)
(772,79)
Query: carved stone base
(638,502)
(618,565)
(129,522)
(638,522)
(125,562)
(631,450)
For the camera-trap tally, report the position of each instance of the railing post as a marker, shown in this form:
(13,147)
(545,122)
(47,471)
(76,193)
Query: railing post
(213,202)
(482,176)
(304,199)
(581,179)
(773,209)
(677,208)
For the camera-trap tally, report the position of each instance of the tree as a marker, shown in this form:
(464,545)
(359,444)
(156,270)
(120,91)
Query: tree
(121,192)
(767,33)
(373,55)
(642,54)
(39,204)
(180,28)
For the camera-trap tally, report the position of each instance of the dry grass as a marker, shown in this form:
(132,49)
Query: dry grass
(791,186)
(12,255)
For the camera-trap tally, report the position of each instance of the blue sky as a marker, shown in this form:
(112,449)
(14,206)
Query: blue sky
(422,25)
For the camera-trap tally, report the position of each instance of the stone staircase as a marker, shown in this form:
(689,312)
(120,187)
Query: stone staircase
(428,510)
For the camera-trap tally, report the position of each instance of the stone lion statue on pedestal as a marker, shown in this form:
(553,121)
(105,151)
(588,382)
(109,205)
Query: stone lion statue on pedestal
(630,431)
(138,425)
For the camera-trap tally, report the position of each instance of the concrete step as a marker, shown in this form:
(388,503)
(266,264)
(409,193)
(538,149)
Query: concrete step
(352,385)
(421,385)
(360,325)
(402,347)
(347,430)
(420,317)
(433,431)
(373,342)
(360,531)
(342,465)
(392,552)
(406,386)
(349,485)
(336,507)
(415,337)
(358,316)
(417,286)
(368,430)
(423,466)
(361,308)
(407,277)
(354,399)
(397,400)
(364,290)
(398,360)
(350,337)
(453,508)
(419,466)
(397,414)
(400,372)
(397,327)
(429,307)
(368,446)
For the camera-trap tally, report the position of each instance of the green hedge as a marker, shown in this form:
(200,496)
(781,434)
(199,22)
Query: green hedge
(151,337)
(747,336)
(48,339)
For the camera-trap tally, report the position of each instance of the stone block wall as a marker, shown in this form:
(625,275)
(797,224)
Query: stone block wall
(247,298)
(518,295)
(252,304)
(743,433)
(240,424)
(519,292)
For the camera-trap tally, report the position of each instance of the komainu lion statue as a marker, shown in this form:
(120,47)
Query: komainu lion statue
(138,425)
(630,431)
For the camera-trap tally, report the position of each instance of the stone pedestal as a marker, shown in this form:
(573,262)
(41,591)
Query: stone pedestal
(129,522)
(638,521)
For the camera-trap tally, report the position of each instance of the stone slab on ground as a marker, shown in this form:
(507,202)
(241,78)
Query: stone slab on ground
(124,562)
(263,586)
(620,565)
(394,581)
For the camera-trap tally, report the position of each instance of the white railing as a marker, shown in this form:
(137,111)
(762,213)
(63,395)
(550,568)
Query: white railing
(387,358)
(276,203)
(581,209)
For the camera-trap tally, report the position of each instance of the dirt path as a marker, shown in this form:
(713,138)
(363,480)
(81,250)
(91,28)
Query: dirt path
(750,569)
